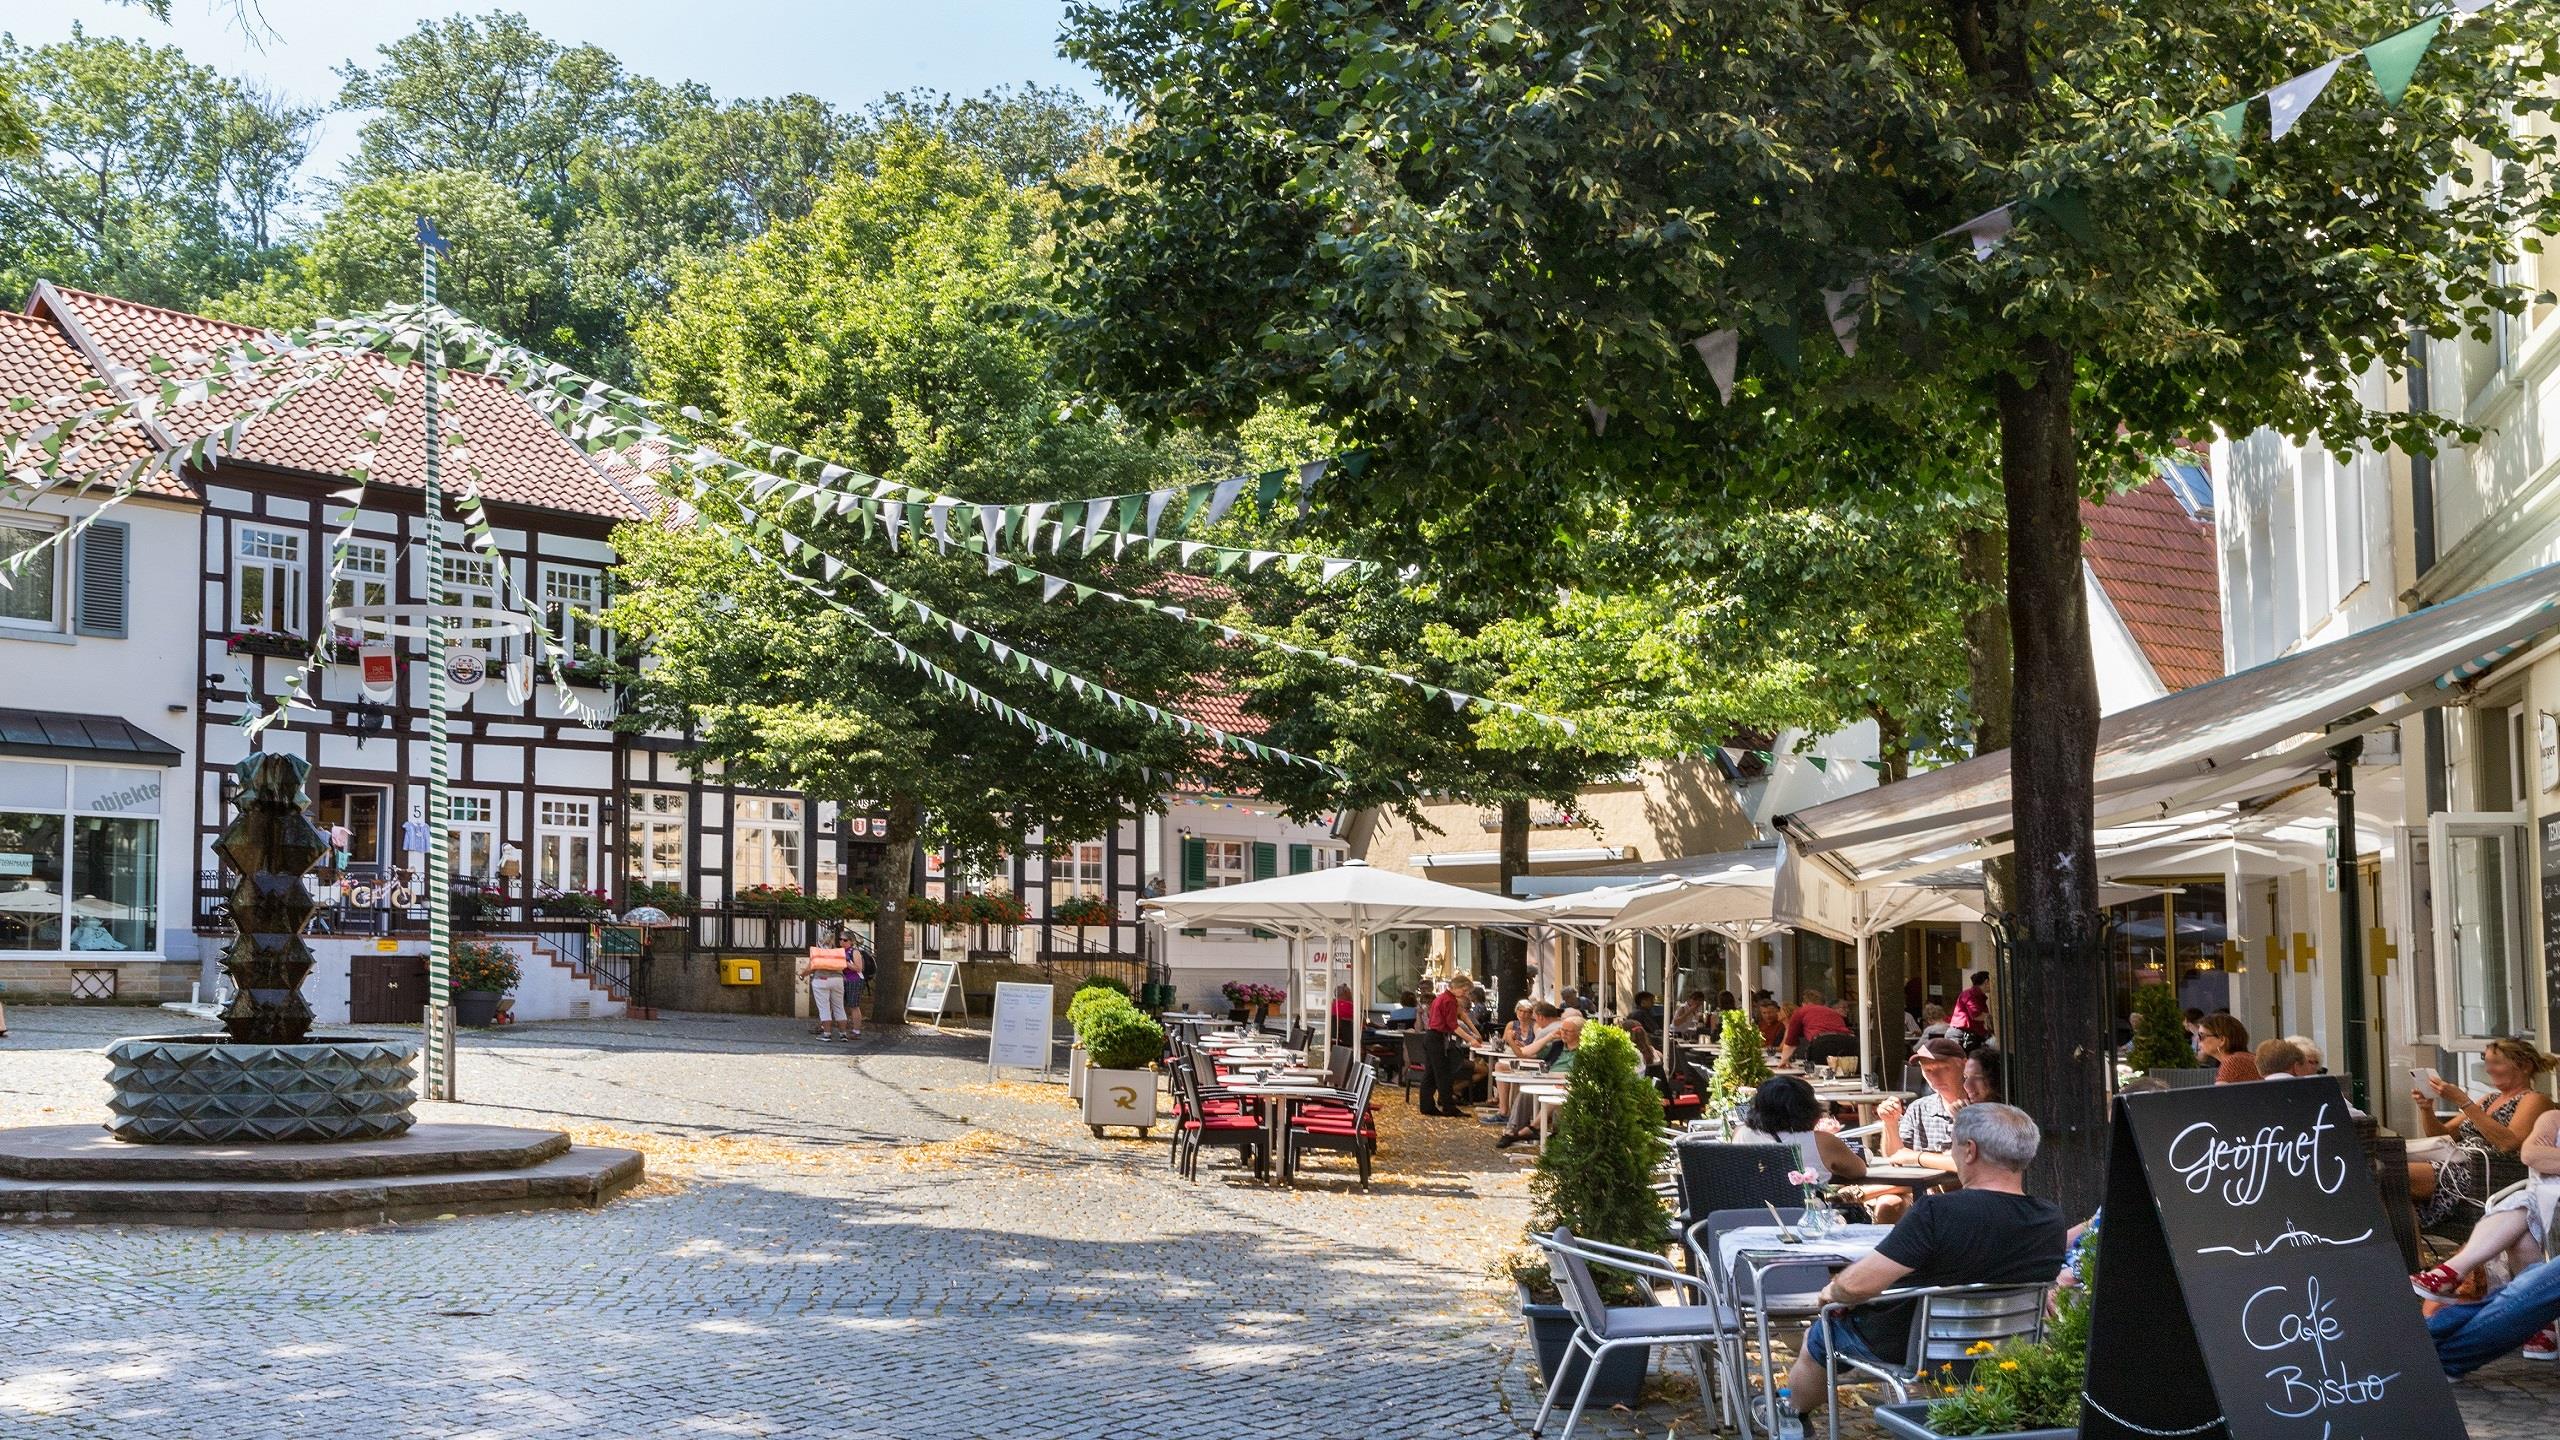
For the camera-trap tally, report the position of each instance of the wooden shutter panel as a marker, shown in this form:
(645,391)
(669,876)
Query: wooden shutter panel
(1266,860)
(1302,858)
(1195,869)
(99,580)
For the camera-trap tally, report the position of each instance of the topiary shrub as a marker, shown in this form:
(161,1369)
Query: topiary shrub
(2159,1031)
(1740,1067)
(1091,1000)
(1102,982)
(1119,1036)
(1595,1176)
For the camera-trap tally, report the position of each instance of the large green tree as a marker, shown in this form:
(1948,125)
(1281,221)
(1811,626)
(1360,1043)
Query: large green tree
(137,172)
(1460,225)
(883,330)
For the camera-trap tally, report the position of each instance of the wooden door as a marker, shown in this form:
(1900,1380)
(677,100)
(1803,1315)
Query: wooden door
(387,990)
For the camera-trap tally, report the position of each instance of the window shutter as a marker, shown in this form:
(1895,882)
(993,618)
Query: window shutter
(1302,858)
(99,581)
(1266,860)
(1195,869)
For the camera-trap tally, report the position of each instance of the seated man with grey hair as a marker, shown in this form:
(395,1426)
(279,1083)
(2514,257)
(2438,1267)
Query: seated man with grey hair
(1991,1232)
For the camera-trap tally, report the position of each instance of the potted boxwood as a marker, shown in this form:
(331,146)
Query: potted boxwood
(1121,1048)
(1595,1178)
(1741,1068)
(478,979)
(2019,1391)
(1096,990)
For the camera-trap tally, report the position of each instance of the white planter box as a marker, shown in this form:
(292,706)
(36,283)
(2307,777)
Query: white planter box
(1075,1071)
(1119,1097)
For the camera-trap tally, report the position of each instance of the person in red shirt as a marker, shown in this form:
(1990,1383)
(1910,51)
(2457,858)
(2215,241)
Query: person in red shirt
(1772,1023)
(1813,1018)
(1446,1034)
(1971,1021)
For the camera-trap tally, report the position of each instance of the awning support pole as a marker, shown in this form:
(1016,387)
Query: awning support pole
(2342,779)
(1866,1016)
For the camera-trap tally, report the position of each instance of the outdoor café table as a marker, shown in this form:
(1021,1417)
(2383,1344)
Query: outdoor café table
(1744,1258)
(1909,1177)
(1278,1096)
(1866,1101)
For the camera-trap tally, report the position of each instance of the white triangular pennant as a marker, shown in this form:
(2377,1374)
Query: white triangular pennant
(941,516)
(1050,586)
(2288,102)
(1989,231)
(1223,499)
(1841,306)
(991,525)
(1156,501)
(1719,348)
(1599,414)
(1308,475)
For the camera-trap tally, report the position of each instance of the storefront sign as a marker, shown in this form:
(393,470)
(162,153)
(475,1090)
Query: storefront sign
(1019,1034)
(2247,1275)
(931,988)
(17,862)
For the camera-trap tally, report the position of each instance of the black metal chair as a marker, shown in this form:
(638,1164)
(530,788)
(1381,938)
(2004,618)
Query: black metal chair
(1413,1070)
(1195,1126)
(1717,1176)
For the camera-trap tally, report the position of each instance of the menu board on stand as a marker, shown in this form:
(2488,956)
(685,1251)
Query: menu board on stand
(2247,1281)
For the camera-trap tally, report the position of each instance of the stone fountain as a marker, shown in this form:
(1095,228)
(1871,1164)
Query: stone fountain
(266,1124)
(264,1078)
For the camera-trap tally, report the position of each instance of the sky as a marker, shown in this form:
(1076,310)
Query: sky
(847,51)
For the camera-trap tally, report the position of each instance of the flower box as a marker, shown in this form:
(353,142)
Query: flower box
(1910,1421)
(268,642)
(1119,1097)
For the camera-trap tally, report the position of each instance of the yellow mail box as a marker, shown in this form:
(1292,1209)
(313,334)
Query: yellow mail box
(740,970)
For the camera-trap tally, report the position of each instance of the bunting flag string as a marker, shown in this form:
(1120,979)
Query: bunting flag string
(978,699)
(1822,764)
(2393,61)
(1024,661)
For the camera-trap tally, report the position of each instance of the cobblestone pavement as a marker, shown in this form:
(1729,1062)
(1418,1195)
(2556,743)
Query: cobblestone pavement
(837,1241)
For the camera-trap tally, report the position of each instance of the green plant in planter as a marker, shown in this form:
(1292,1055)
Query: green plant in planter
(1080,911)
(1119,1036)
(2159,1031)
(1090,998)
(479,966)
(1595,1176)
(2021,1386)
(1740,1067)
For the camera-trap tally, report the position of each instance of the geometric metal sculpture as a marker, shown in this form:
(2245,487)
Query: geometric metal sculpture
(204,1090)
(270,844)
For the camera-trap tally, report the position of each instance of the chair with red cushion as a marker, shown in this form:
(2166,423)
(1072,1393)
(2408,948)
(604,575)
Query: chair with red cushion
(1215,1098)
(1321,1127)
(1196,1128)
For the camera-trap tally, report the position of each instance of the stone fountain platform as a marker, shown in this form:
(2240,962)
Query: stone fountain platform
(74,1173)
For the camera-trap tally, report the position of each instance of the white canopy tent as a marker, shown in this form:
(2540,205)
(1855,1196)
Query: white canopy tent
(1351,899)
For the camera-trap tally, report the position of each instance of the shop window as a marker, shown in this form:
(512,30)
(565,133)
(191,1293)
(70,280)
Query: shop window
(79,858)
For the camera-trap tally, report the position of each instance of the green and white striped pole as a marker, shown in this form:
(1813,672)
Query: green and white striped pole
(438,1069)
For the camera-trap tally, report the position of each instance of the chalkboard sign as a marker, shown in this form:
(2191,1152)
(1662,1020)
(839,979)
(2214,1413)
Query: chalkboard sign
(931,988)
(2248,1285)
(1019,1033)
(2551,912)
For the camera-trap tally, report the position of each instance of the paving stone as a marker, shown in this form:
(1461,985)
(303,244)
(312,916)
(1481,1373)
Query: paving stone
(897,1249)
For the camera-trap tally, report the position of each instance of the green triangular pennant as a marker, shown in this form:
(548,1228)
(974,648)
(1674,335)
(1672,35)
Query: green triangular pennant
(2069,211)
(1192,506)
(1125,515)
(1780,341)
(1266,491)
(2234,119)
(2395,58)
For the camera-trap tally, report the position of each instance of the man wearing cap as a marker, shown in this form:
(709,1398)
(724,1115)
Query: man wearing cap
(1924,1131)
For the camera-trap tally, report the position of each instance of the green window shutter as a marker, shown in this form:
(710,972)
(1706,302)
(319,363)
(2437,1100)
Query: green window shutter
(98,579)
(1302,858)
(1266,866)
(1195,869)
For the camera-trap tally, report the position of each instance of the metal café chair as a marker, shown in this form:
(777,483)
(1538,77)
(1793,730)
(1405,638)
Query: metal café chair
(1599,1328)
(1754,1301)
(1950,1322)
(1715,1175)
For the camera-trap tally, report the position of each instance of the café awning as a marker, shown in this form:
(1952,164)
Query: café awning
(99,739)
(2238,738)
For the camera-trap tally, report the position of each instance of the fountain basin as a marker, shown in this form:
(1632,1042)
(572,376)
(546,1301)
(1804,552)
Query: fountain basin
(210,1089)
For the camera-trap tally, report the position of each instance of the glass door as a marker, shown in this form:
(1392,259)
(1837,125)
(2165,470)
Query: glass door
(2477,863)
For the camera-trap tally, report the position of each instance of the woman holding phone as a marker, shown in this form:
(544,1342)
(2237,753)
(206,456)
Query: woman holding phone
(2488,1135)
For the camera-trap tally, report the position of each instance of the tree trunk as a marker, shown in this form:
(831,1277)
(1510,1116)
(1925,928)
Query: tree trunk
(890,888)
(1509,952)
(2057,1035)
(1983,557)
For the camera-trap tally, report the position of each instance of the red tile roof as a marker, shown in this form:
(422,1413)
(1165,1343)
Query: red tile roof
(38,361)
(1216,703)
(2156,564)
(523,460)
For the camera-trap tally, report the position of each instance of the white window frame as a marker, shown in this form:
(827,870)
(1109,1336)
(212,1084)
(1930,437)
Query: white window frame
(472,590)
(473,814)
(767,835)
(574,632)
(278,556)
(1083,870)
(645,819)
(559,820)
(1213,874)
(365,572)
(2519,954)
(43,529)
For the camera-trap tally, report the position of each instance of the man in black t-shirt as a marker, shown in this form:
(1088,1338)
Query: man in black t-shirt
(1991,1232)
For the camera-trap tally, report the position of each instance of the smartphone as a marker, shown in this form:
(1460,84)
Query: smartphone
(2426,1078)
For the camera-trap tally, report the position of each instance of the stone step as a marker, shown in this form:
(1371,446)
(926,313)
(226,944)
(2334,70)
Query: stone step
(582,1177)
(88,1152)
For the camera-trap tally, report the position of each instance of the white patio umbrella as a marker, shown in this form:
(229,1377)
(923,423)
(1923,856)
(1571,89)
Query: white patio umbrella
(1351,899)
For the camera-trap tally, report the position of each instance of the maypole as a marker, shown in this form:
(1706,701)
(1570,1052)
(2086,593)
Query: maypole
(437,1081)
